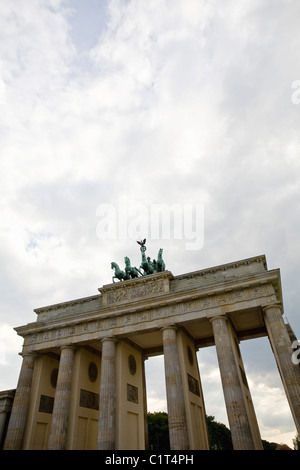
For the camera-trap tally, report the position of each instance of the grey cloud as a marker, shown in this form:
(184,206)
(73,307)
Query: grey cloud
(191,104)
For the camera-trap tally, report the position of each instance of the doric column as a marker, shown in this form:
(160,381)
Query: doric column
(144,358)
(236,408)
(17,422)
(107,399)
(282,349)
(61,408)
(178,430)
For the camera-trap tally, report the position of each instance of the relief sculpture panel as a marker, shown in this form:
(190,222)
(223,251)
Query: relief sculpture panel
(132,293)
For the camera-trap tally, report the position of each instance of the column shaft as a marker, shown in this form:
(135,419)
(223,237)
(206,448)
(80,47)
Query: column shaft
(178,430)
(107,399)
(61,408)
(236,408)
(145,403)
(289,372)
(17,422)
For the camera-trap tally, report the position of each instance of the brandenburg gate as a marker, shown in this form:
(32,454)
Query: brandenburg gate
(82,381)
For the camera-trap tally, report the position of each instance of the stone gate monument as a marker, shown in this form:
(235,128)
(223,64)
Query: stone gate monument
(82,381)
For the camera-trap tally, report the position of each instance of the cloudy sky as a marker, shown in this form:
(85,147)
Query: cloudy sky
(138,104)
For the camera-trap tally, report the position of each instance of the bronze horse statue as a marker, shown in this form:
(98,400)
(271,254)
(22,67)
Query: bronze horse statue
(148,266)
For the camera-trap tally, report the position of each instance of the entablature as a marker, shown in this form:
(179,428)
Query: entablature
(148,312)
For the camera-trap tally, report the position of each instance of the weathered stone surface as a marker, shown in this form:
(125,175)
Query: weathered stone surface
(59,424)
(153,314)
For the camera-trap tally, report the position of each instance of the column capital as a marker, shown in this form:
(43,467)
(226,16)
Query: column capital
(273,305)
(172,326)
(218,317)
(109,338)
(32,354)
(67,346)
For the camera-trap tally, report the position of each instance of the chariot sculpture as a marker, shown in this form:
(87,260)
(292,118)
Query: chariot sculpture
(147,266)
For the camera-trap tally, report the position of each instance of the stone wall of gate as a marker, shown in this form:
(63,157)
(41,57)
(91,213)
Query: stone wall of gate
(98,345)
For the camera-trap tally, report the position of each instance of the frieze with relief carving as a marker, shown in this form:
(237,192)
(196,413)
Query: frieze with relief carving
(92,328)
(147,302)
(125,294)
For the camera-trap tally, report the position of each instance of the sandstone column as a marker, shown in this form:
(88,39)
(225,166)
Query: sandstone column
(236,408)
(17,422)
(144,358)
(107,399)
(178,430)
(281,345)
(61,408)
